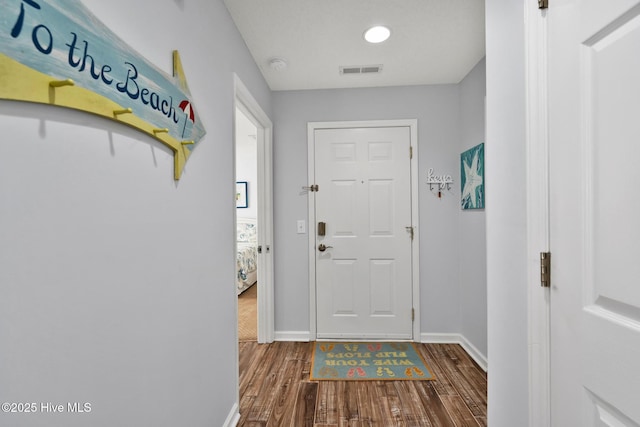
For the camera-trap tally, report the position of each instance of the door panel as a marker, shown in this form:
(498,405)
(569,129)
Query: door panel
(364,277)
(594,132)
(381,198)
(382,273)
(344,196)
(343,291)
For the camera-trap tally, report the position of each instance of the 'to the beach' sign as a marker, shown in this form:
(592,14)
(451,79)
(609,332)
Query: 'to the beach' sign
(56,52)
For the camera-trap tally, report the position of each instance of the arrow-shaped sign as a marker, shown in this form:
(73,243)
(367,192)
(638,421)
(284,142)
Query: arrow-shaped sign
(56,52)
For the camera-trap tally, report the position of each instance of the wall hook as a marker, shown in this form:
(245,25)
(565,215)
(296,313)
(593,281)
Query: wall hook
(60,83)
(124,111)
(160,130)
(440,181)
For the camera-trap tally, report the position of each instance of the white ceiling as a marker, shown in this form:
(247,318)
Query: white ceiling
(432,41)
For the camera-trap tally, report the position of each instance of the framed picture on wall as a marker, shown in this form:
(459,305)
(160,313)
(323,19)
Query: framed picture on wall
(242,196)
(472,178)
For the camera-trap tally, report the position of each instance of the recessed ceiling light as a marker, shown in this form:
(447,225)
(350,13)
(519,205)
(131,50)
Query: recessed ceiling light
(377,34)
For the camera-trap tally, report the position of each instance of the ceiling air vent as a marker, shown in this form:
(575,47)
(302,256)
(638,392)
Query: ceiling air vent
(361,69)
(349,70)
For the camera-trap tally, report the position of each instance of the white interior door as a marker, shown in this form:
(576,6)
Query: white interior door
(364,276)
(594,128)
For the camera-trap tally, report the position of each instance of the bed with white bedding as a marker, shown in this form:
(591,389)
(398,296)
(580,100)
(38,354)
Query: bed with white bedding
(247,256)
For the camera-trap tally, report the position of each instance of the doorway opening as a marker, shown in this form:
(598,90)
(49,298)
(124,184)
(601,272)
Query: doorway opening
(246,136)
(254,208)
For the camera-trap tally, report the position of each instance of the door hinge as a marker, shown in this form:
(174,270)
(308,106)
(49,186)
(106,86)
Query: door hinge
(312,188)
(413,314)
(545,269)
(410,231)
(543,4)
(411,152)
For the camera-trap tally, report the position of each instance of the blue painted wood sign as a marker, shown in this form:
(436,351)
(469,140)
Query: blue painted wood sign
(56,52)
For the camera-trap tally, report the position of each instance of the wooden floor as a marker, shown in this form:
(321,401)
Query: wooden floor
(275,391)
(248,314)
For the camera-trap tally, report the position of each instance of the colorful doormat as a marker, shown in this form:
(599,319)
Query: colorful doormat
(368,361)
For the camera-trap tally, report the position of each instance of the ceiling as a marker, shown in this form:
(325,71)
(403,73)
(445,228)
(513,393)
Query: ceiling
(432,41)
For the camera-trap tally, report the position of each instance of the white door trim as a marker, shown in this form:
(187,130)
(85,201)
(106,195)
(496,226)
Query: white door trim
(538,219)
(266,308)
(415,262)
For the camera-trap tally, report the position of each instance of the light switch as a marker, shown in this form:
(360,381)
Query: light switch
(302,227)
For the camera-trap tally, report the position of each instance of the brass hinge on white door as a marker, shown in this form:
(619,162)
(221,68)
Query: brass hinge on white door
(545,269)
(312,188)
(413,314)
(410,231)
(543,4)
(411,152)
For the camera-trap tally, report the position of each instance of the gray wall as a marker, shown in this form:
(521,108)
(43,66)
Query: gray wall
(472,227)
(506,214)
(117,283)
(439,114)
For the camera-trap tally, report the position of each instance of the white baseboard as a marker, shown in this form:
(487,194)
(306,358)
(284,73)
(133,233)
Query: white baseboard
(438,338)
(233,417)
(300,336)
(471,350)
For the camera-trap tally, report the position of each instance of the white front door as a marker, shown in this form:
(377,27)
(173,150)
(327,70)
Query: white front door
(364,276)
(594,131)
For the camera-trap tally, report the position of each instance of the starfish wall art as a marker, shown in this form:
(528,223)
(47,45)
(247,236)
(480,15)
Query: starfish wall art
(472,178)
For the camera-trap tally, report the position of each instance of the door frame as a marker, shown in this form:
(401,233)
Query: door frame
(245,102)
(538,213)
(412,124)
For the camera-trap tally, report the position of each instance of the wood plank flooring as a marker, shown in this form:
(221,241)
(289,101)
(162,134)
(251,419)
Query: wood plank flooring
(248,314)
(275,391)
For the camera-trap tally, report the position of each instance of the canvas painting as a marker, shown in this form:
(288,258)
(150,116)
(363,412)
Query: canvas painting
(472,178)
